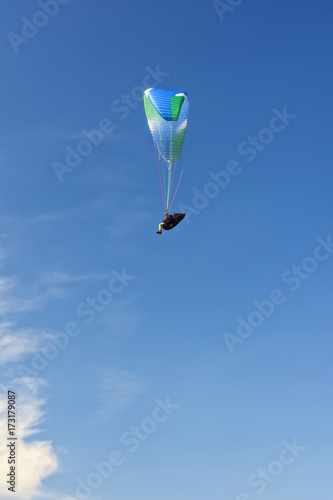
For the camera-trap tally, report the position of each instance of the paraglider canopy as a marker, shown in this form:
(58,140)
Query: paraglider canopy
(167,112)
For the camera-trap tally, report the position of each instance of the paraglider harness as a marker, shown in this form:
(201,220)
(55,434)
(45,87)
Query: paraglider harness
(171,221)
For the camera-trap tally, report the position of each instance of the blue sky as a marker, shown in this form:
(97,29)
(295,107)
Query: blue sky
(194,364)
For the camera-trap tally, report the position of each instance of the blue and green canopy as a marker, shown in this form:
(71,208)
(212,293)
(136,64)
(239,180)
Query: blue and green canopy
(167,112)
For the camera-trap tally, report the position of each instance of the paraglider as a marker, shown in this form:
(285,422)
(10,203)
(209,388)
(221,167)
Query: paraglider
(170,221)
(167,113)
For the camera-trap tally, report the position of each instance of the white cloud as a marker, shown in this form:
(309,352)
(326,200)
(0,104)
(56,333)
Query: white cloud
(11,302)
(116,390)
(36,459)
(17,298)
(6,284)
(14,305)
(16,343)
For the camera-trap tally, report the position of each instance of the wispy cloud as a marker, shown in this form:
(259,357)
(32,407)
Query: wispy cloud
(116,390)
(36,459)
(6,283)
(16,298)
(15,342)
